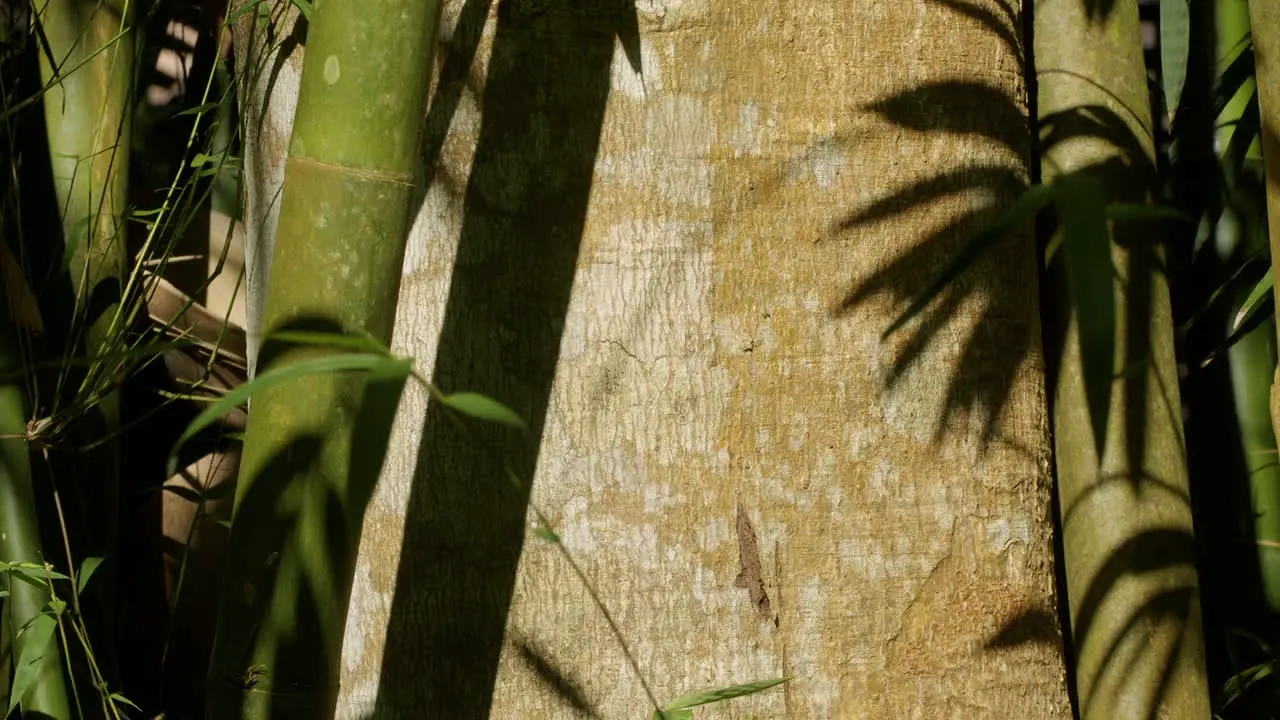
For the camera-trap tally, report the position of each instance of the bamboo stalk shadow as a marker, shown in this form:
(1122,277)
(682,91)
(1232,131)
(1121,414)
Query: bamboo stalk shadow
(524,211)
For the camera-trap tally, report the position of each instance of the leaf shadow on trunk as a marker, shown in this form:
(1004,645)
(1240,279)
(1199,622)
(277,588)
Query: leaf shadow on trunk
(1004,335)
(523,215)
(998,345)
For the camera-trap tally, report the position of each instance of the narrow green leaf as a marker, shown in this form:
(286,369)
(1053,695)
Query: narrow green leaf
(87,569)
(328,339)
(118,698)
(33,571)
(207,107)
(275,376)
(138,353)
(305,7)
(1260,292)
(712,696)
(483,408)
(1081,205)
(1018,214)
(1248,324)
(672,715)
(36,640)
(1141,212)
(1241,70)
(1238,683)
(1244,134)
(241,10)
(1175,49)
(547,534)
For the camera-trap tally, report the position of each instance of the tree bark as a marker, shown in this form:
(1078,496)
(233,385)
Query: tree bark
(670,237)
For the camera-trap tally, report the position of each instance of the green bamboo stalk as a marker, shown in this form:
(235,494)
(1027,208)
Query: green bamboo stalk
(89,69)
(1127,530)
(20,535)
(88,114)
(349,186)
(1252,359)
(1264,16)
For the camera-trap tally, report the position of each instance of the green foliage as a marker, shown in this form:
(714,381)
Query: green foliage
(680,707)
(37,641)
(483,408)
(1175,47)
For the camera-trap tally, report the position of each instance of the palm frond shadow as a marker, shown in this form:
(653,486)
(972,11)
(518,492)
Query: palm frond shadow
(1004,335)
(1000,23)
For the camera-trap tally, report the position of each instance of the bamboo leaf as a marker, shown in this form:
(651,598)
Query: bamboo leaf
(305,7)
(1020,212)
(275,376)
(1248,324)
(331,339)
(87,569)
(32,571)
(1175,46)
(37,638)
(1087,247)
(1260,292)
(1245,133)
(118,698)
(1141,212)
(547,534)
(1234,77)
(481,407)
(241,10)
(712,696)
(206,107)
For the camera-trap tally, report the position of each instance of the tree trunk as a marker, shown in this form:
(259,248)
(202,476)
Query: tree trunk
(670,237)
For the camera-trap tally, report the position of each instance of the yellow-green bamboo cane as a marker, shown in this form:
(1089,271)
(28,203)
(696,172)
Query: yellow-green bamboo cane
(1252,358)
(89,70)
(348,190)
(20,539)
(1127,531)
(88,109)
(1264,16)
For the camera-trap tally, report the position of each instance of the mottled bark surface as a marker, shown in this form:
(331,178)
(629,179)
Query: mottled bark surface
(670,236)
(658,299)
